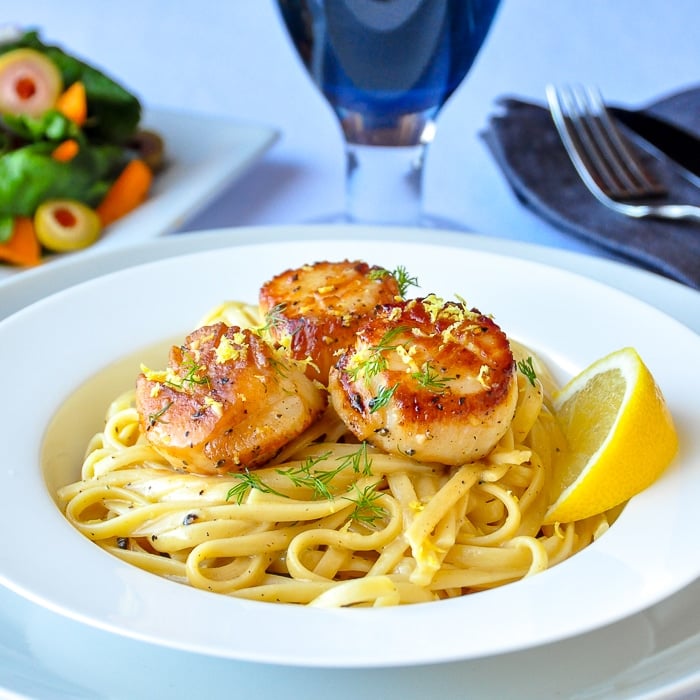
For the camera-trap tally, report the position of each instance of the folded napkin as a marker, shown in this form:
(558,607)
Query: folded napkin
(527,147)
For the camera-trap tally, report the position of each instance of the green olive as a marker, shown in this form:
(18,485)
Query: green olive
(30,83)
(64,224)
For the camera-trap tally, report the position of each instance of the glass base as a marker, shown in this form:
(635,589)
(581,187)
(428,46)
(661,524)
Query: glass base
(423,220)
(384,188)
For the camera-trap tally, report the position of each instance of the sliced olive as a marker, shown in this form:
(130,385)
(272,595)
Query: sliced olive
(30,82)
(64,224)
(150,148)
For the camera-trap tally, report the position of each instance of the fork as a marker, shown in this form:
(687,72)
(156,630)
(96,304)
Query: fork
(606,163)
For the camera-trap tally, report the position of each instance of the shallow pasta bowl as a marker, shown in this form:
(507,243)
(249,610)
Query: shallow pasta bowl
(80,347)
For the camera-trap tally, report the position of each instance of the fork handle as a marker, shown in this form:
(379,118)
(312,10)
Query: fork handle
(676,211)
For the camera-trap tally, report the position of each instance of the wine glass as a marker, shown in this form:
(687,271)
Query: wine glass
(387,67)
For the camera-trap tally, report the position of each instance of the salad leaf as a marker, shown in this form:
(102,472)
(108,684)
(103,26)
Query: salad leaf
(114,111)
(7,224)
(51,125)
(30,175)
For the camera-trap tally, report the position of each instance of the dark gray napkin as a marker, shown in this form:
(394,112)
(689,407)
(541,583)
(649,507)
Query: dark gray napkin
(525,143)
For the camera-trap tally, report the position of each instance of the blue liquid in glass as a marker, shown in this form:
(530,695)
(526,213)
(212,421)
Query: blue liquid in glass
(379,61)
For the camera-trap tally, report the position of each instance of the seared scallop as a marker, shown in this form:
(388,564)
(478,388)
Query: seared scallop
(228,401)
(429,379)
(314,310)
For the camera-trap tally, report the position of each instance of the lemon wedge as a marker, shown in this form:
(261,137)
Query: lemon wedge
(620,437)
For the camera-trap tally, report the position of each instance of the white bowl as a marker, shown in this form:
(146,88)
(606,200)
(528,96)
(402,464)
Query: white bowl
(65,341)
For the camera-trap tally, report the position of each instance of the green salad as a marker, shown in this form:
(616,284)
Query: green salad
(67,134)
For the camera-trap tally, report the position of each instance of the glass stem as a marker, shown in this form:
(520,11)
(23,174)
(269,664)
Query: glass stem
(384,183)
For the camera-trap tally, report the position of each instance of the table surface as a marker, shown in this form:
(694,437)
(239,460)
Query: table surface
(233,59)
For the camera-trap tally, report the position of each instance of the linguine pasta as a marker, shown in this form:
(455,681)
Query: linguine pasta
(332,522)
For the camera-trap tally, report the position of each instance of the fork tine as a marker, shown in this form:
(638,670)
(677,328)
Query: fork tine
(561,107)
(606,143)
(597,148)
(634,170)
(590,138)
(586,138)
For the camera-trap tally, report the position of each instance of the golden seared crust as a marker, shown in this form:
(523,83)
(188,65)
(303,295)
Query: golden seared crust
(227,401)
(431,380)
(314,310)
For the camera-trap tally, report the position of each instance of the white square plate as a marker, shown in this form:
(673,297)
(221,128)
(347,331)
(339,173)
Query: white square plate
(204,155)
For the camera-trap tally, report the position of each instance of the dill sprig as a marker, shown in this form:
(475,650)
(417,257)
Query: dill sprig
(400,274)
(249,480)
(526,368)
(315,479)
(305,475)
(404,280)
(431,379)
(382,398)
(192,374)
(359,460)
(153,418)
(376,362)
(274,317)
(367,511)
(279,366)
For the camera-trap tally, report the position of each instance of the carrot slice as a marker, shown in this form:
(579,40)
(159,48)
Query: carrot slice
(23,247)
(66,150)
(72,102)
(126,193)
